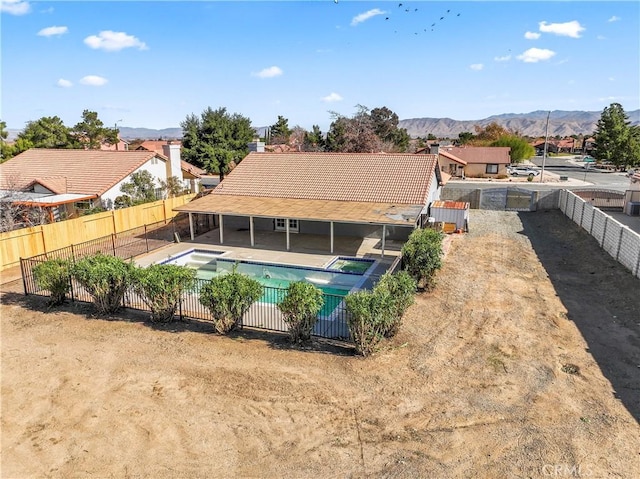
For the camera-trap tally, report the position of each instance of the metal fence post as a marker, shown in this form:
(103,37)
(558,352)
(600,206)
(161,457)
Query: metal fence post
(24,281)
(146,239)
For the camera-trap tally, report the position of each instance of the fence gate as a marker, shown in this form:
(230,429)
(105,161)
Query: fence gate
(507,199)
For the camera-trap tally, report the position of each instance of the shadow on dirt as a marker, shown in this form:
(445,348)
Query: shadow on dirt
(276,340)
(601,296)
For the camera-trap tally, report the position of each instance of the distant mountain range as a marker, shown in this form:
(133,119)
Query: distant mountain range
(562,123)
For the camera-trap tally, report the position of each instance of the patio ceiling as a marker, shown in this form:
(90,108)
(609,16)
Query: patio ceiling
(305,209)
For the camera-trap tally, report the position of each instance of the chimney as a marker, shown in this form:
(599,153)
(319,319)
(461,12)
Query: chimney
(256,145)
(174,167)
(434,149)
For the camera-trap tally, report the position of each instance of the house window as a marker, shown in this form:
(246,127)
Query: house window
(492,169)
(281,225)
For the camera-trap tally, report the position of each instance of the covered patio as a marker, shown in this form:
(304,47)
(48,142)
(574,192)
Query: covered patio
(299,224)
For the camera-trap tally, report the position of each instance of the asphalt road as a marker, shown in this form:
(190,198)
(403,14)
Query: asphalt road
(598,178)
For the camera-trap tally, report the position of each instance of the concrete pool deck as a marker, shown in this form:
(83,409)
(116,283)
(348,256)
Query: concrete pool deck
(306,250)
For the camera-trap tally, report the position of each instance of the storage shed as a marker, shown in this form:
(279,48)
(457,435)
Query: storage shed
(451,212)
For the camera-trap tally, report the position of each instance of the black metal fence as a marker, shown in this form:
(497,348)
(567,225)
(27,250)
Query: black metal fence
(126,245)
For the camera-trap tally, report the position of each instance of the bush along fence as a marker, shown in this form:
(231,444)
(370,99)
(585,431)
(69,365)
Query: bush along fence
(84,281)
(126,244)
(233,300)
(618,240)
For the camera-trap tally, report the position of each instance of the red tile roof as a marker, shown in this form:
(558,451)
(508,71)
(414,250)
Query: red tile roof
(360,177)
(480,154)
(71,171)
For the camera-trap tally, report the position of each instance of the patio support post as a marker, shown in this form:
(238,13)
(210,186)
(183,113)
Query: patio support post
(253,243)
(287,228)
(331,234)
(384,234)
(221,232)
(191,232)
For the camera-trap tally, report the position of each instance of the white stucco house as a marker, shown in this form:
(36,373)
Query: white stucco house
(65,182)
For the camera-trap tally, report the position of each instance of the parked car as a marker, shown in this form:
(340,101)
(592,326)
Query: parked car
(523,171)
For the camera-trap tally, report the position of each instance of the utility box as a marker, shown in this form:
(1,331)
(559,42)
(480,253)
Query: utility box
(455,212)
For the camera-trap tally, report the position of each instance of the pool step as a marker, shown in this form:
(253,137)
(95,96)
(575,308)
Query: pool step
(201,257)
(207,266)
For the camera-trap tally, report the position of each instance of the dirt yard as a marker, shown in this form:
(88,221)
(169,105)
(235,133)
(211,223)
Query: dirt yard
(525,362)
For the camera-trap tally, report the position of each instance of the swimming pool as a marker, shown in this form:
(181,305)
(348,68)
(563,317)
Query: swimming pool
(339,277)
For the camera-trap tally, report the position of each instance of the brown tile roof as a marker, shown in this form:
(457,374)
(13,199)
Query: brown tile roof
(480,154)
(451,157)
(359,177)
(90,172)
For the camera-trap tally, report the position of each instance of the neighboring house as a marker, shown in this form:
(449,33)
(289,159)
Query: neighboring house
(66,182)
(190,173)
(333,194)
(122,145)
(449,164)
(482,161)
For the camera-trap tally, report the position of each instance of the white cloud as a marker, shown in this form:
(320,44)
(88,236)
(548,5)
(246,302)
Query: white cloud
(113,41)
(332,98)
(363,17)
(269,72)
(93,80)
(476,66)
(505,58)
(51,31)
(568,29)
(531,35)
(64,83)
(601,37)
(535,55)
(614,19)
(15,7)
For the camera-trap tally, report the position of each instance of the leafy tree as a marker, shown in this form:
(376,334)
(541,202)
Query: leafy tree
(422,256)
(141,188)
(6,150)
(228,297)
(401,287)
(614,137)
(431,137)
(314,140)
(368,318)
(353,135)
(106,278)
(172,186)
(465,137)
(520,148)
(492,132)
(91,133)
(216,139)
(279,132)
(161,286)
(46,132)
(53,276)
(300,307)
(633,157)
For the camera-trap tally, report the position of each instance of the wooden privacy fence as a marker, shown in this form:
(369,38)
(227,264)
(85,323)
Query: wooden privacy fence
(37,240)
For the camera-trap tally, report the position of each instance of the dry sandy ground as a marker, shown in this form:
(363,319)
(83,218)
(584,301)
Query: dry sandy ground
(523,363)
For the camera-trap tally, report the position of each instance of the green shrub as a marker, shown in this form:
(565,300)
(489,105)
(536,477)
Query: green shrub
(300,308)
(422,256)
(368,317)
(401,287)
(160,286)
(228,297)
(53,275)
(106,279)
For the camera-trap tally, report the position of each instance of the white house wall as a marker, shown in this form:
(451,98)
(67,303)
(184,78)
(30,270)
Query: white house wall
(157,170)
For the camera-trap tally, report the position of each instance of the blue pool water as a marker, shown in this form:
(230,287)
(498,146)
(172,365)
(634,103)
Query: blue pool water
(338,278)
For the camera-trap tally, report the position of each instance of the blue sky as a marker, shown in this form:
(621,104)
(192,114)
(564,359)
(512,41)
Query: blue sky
(151,64)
